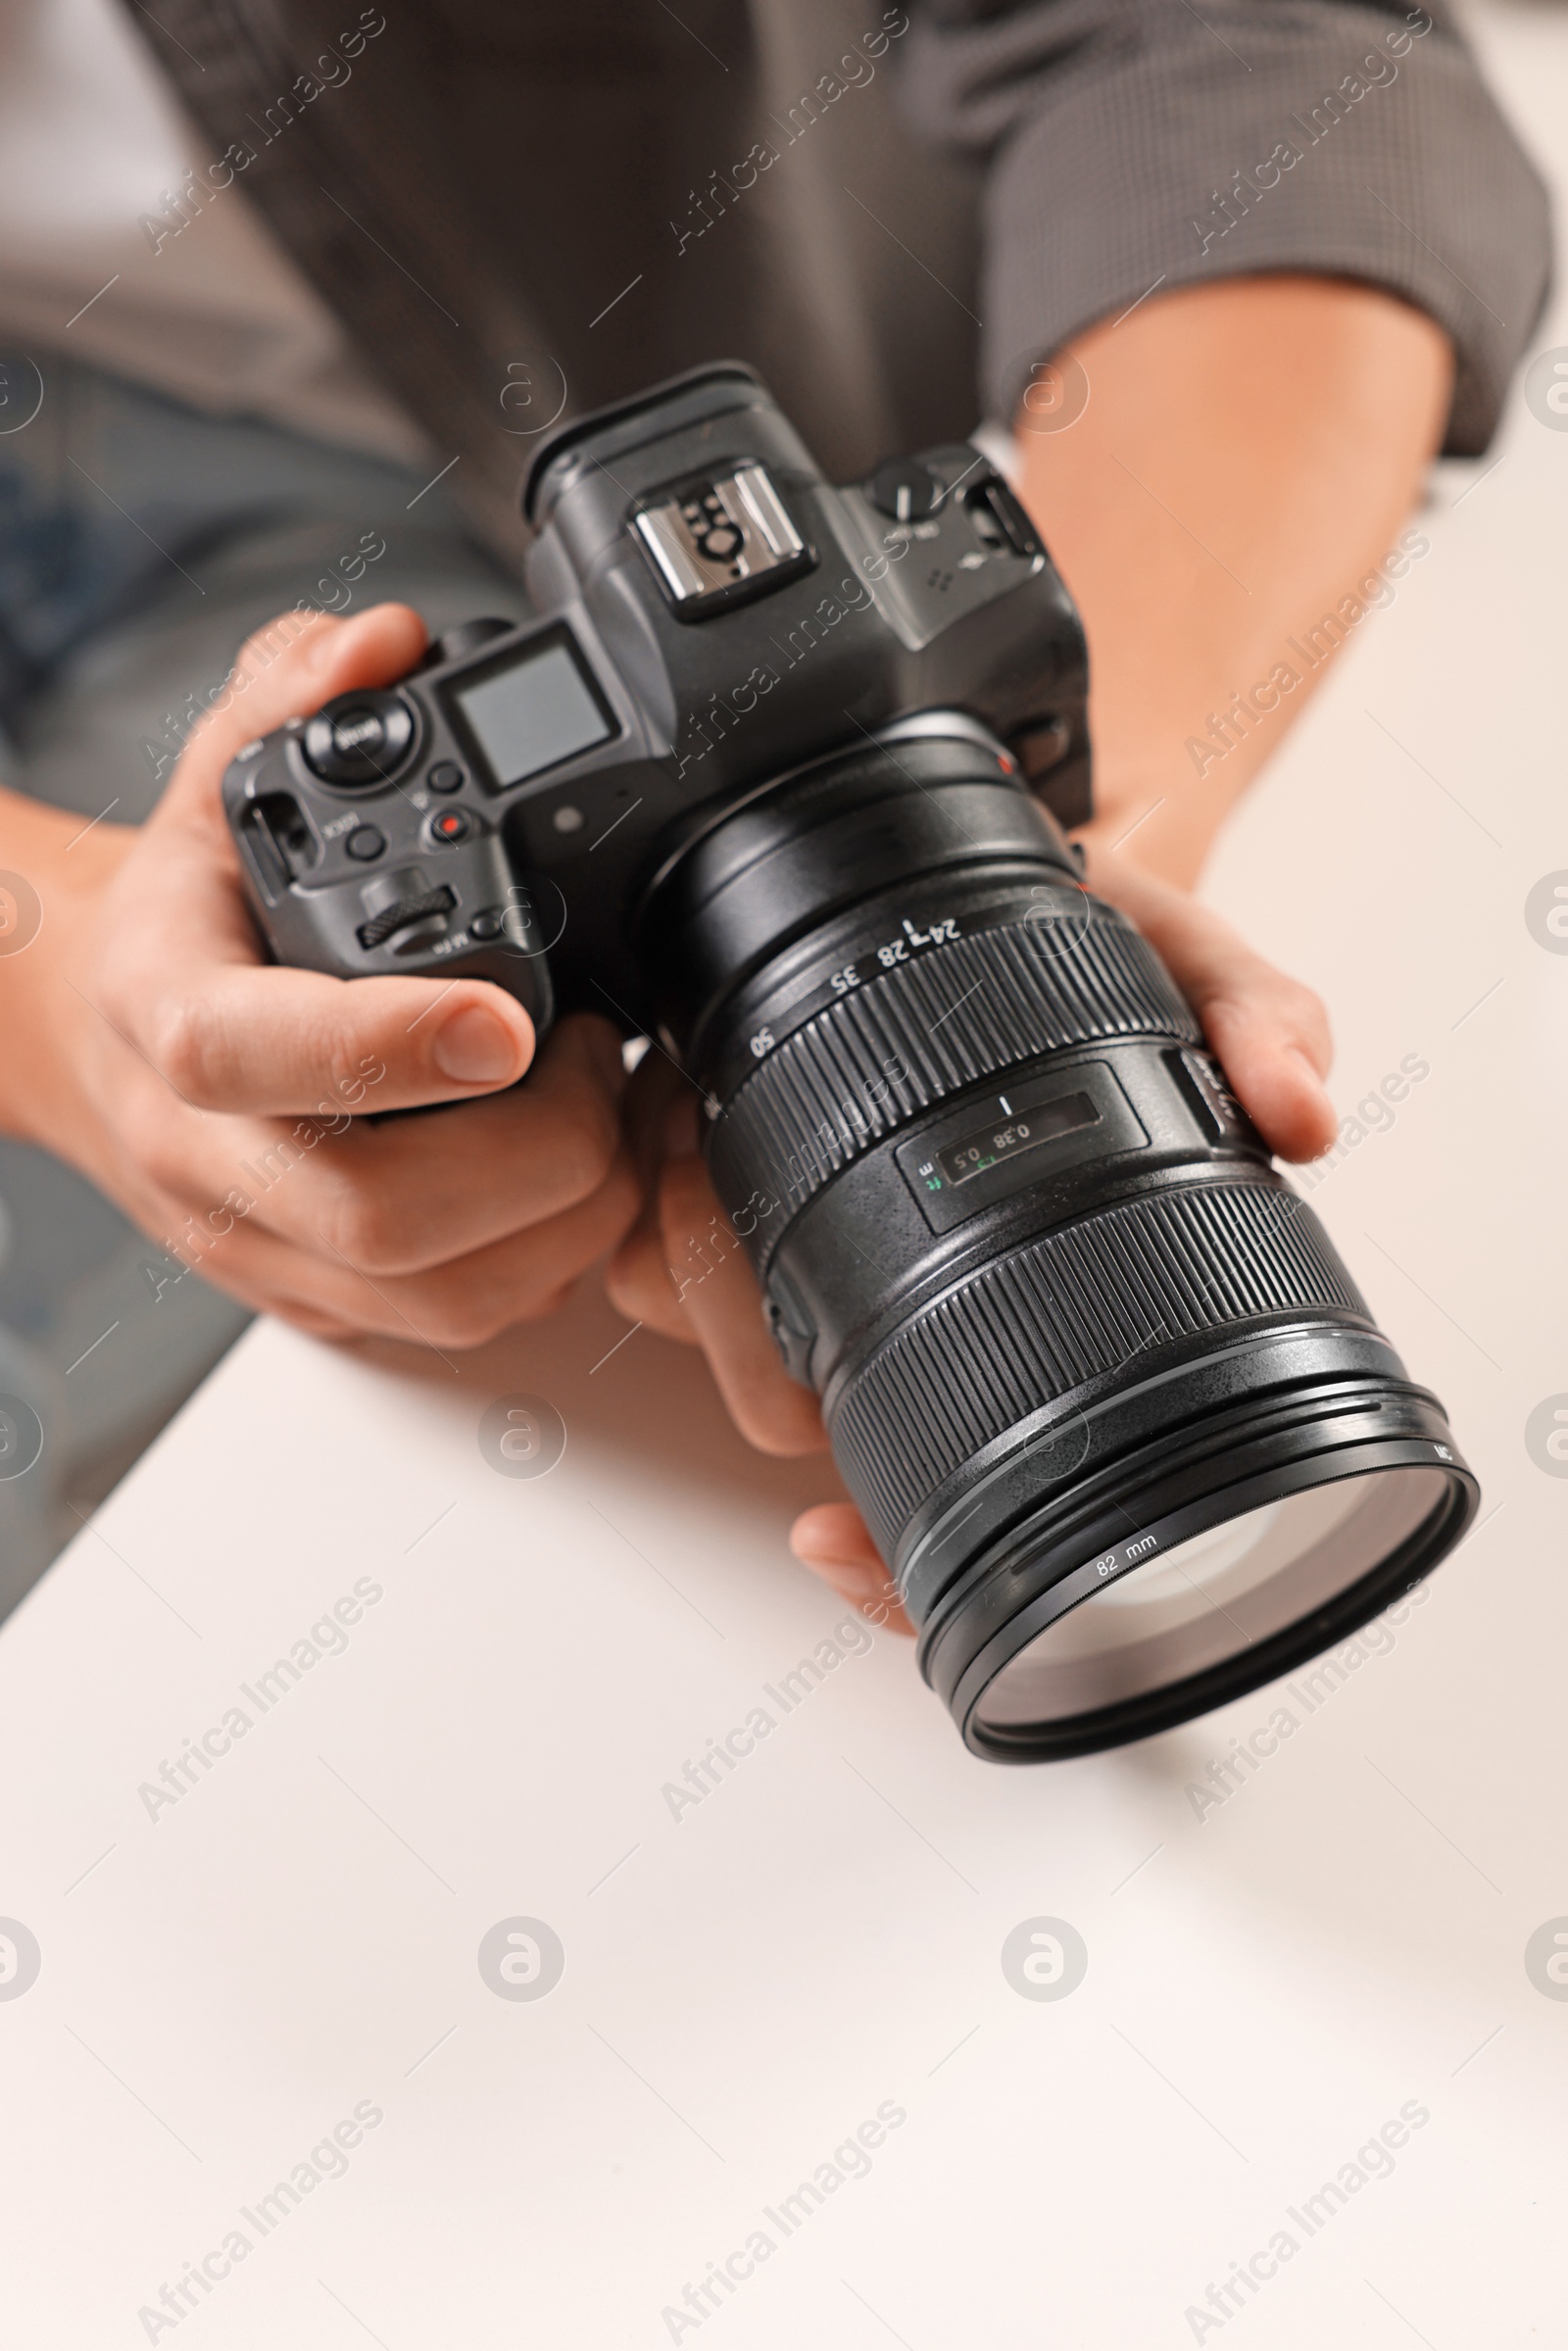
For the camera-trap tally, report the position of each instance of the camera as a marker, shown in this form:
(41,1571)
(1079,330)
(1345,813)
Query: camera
(781,777)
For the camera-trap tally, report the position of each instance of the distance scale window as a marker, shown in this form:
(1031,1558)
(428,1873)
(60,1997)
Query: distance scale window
(529,711)
(989,1145)
(1035,1131)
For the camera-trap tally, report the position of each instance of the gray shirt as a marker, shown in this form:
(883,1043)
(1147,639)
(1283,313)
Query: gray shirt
(522,208)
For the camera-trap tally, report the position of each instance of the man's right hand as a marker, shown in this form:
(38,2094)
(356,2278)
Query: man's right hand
(219,1099)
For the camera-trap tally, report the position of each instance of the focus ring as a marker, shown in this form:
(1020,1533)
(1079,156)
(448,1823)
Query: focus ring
(1080,1302)
(950,1018)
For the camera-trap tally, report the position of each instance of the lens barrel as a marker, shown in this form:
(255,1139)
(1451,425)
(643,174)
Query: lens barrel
(1115,1410)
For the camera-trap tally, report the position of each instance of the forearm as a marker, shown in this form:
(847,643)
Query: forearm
(1249,453)
(52,873)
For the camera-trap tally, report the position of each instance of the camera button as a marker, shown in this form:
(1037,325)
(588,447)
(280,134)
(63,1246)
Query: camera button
(359,739)
(490,923)
(451,826)
(906,490)
(445,777)
(364,843)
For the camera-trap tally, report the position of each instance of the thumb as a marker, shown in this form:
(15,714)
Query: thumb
(275,1041)
(286,669)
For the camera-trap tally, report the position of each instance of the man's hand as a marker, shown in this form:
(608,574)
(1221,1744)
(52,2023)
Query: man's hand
(684,1273)
(222,1100)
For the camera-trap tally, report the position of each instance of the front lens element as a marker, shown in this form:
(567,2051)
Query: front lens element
(1185,1611)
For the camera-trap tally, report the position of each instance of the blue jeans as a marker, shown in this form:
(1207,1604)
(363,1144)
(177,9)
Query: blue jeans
(140,542)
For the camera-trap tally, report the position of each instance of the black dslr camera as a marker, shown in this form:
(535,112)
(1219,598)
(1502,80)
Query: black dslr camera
(779,777)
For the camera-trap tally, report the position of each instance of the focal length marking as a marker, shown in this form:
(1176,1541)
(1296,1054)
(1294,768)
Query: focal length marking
(898,950)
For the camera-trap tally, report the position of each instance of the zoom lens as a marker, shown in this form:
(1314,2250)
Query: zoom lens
(1114,1411)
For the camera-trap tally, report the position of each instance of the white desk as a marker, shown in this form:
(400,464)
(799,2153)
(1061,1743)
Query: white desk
(226,1978)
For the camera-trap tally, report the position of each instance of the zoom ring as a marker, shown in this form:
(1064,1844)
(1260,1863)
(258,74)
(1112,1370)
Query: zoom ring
(950,1018)
(1084,1300)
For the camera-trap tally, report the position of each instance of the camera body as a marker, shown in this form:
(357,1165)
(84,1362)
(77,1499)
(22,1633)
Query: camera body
(713,616)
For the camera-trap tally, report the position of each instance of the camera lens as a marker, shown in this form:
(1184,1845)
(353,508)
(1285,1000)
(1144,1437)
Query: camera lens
(1116,1414)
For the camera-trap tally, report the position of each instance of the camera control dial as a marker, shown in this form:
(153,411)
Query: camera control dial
(359,739)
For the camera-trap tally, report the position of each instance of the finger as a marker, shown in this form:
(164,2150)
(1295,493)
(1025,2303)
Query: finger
(289,667)
(282,1043)
(834,1541)
(661,1122)
(399,1195)
(638,1284)
(719,1295)
(1269,1031)
(451,1308)
(1265,1042)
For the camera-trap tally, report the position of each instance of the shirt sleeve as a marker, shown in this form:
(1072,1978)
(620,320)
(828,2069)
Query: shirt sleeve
(1138,145)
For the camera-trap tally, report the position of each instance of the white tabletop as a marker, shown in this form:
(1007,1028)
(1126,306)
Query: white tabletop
(794,1987)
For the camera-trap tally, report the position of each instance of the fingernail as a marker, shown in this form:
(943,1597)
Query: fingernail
(473,1048)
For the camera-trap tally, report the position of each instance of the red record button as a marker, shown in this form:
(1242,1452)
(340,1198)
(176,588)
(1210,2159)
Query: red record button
(453,824)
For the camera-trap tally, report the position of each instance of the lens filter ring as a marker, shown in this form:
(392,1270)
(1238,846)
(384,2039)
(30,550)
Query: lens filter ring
(1380,1495)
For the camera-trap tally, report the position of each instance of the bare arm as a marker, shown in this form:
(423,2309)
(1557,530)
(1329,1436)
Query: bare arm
(1249,454)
